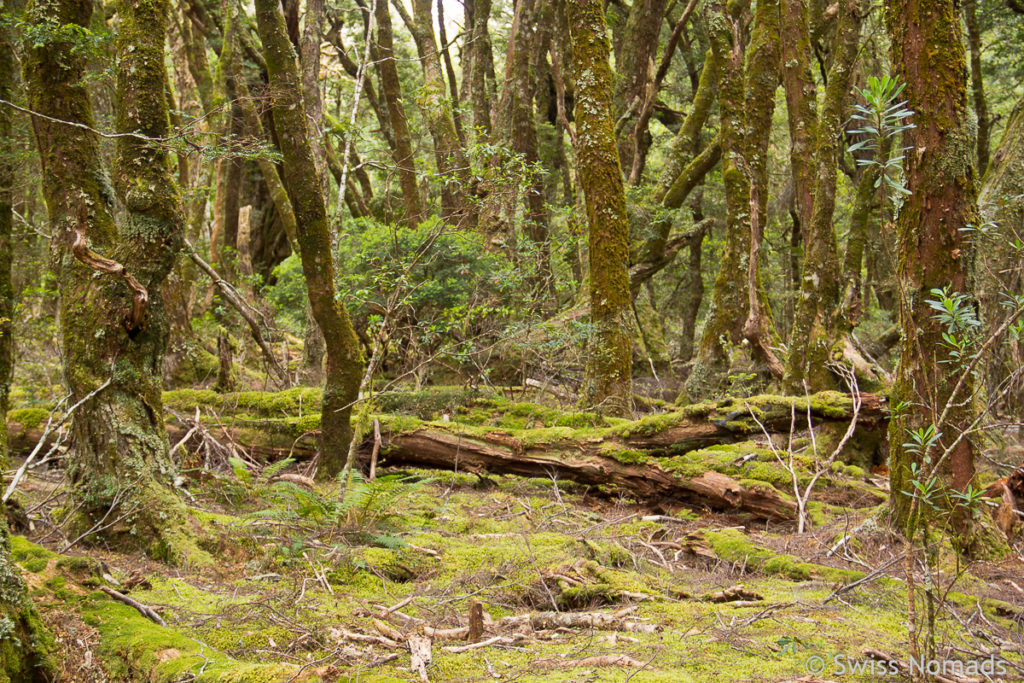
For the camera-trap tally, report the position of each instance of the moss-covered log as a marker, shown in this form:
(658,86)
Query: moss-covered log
(638,457)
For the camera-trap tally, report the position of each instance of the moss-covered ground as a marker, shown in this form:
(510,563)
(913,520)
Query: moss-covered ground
(306,586)
(297,571)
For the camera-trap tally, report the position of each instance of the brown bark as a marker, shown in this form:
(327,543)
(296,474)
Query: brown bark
(344,358)
(392,88)
(933,249)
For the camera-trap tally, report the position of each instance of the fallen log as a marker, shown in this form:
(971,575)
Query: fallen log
(632,456)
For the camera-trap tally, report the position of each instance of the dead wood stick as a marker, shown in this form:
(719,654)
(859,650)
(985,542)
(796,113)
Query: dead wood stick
(231,295)
(144,610)
(140,299)
(419,648)
(376,449)
(600,660)
(456,649)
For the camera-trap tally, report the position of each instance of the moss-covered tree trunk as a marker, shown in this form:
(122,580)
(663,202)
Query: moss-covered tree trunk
(817,323)
(344,358)
(723,332)
(436,107)
(113,324)
(609,369)
(638,52)
(801,103)
(933,249)
(392,89)
(761,80)
(23,643)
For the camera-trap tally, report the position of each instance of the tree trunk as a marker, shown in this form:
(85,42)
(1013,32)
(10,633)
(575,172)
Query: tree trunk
(933,250)
(977,83)
(609,368)
(761,80)
(26,662)
(1000,269)
(518,125)
(634,66)
(817,323)
(729,298)
(344,358)
(480,63)
(392,88)
(801,103)
(452,162)
(113,324)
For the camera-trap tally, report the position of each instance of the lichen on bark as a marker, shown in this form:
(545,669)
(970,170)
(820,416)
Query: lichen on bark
(609,369)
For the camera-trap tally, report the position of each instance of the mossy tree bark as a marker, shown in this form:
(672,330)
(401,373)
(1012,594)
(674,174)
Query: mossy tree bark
(723,332)
(434,103)
(24,643)
(112,330)
(761,80)
(818,321)
(344,358)
(801,103)
(392,89)
(609,369)
(933,249)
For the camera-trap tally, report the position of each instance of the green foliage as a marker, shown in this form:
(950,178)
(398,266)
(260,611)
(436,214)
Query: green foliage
(368,511)
(883,117)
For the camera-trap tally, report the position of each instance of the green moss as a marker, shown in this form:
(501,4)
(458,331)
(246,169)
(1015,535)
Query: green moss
(135,648)
(733,546)
(28,418)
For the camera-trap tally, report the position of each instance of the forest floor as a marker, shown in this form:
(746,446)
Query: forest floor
(573,584)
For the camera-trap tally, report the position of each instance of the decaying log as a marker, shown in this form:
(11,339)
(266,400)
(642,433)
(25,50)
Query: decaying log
(647,480)
(590,458)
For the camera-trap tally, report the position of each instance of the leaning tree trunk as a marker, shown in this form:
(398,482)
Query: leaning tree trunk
(344,358)
(609,369)
(113,324)
(933,249)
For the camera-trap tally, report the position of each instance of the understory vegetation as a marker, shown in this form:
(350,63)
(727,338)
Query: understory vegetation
(511,340)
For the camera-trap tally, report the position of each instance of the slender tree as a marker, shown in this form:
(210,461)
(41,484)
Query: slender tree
(344,358)
(609,371)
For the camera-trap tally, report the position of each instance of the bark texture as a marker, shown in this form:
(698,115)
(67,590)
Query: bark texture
(609,371)
(344,358)
(120,461)
(933,250)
